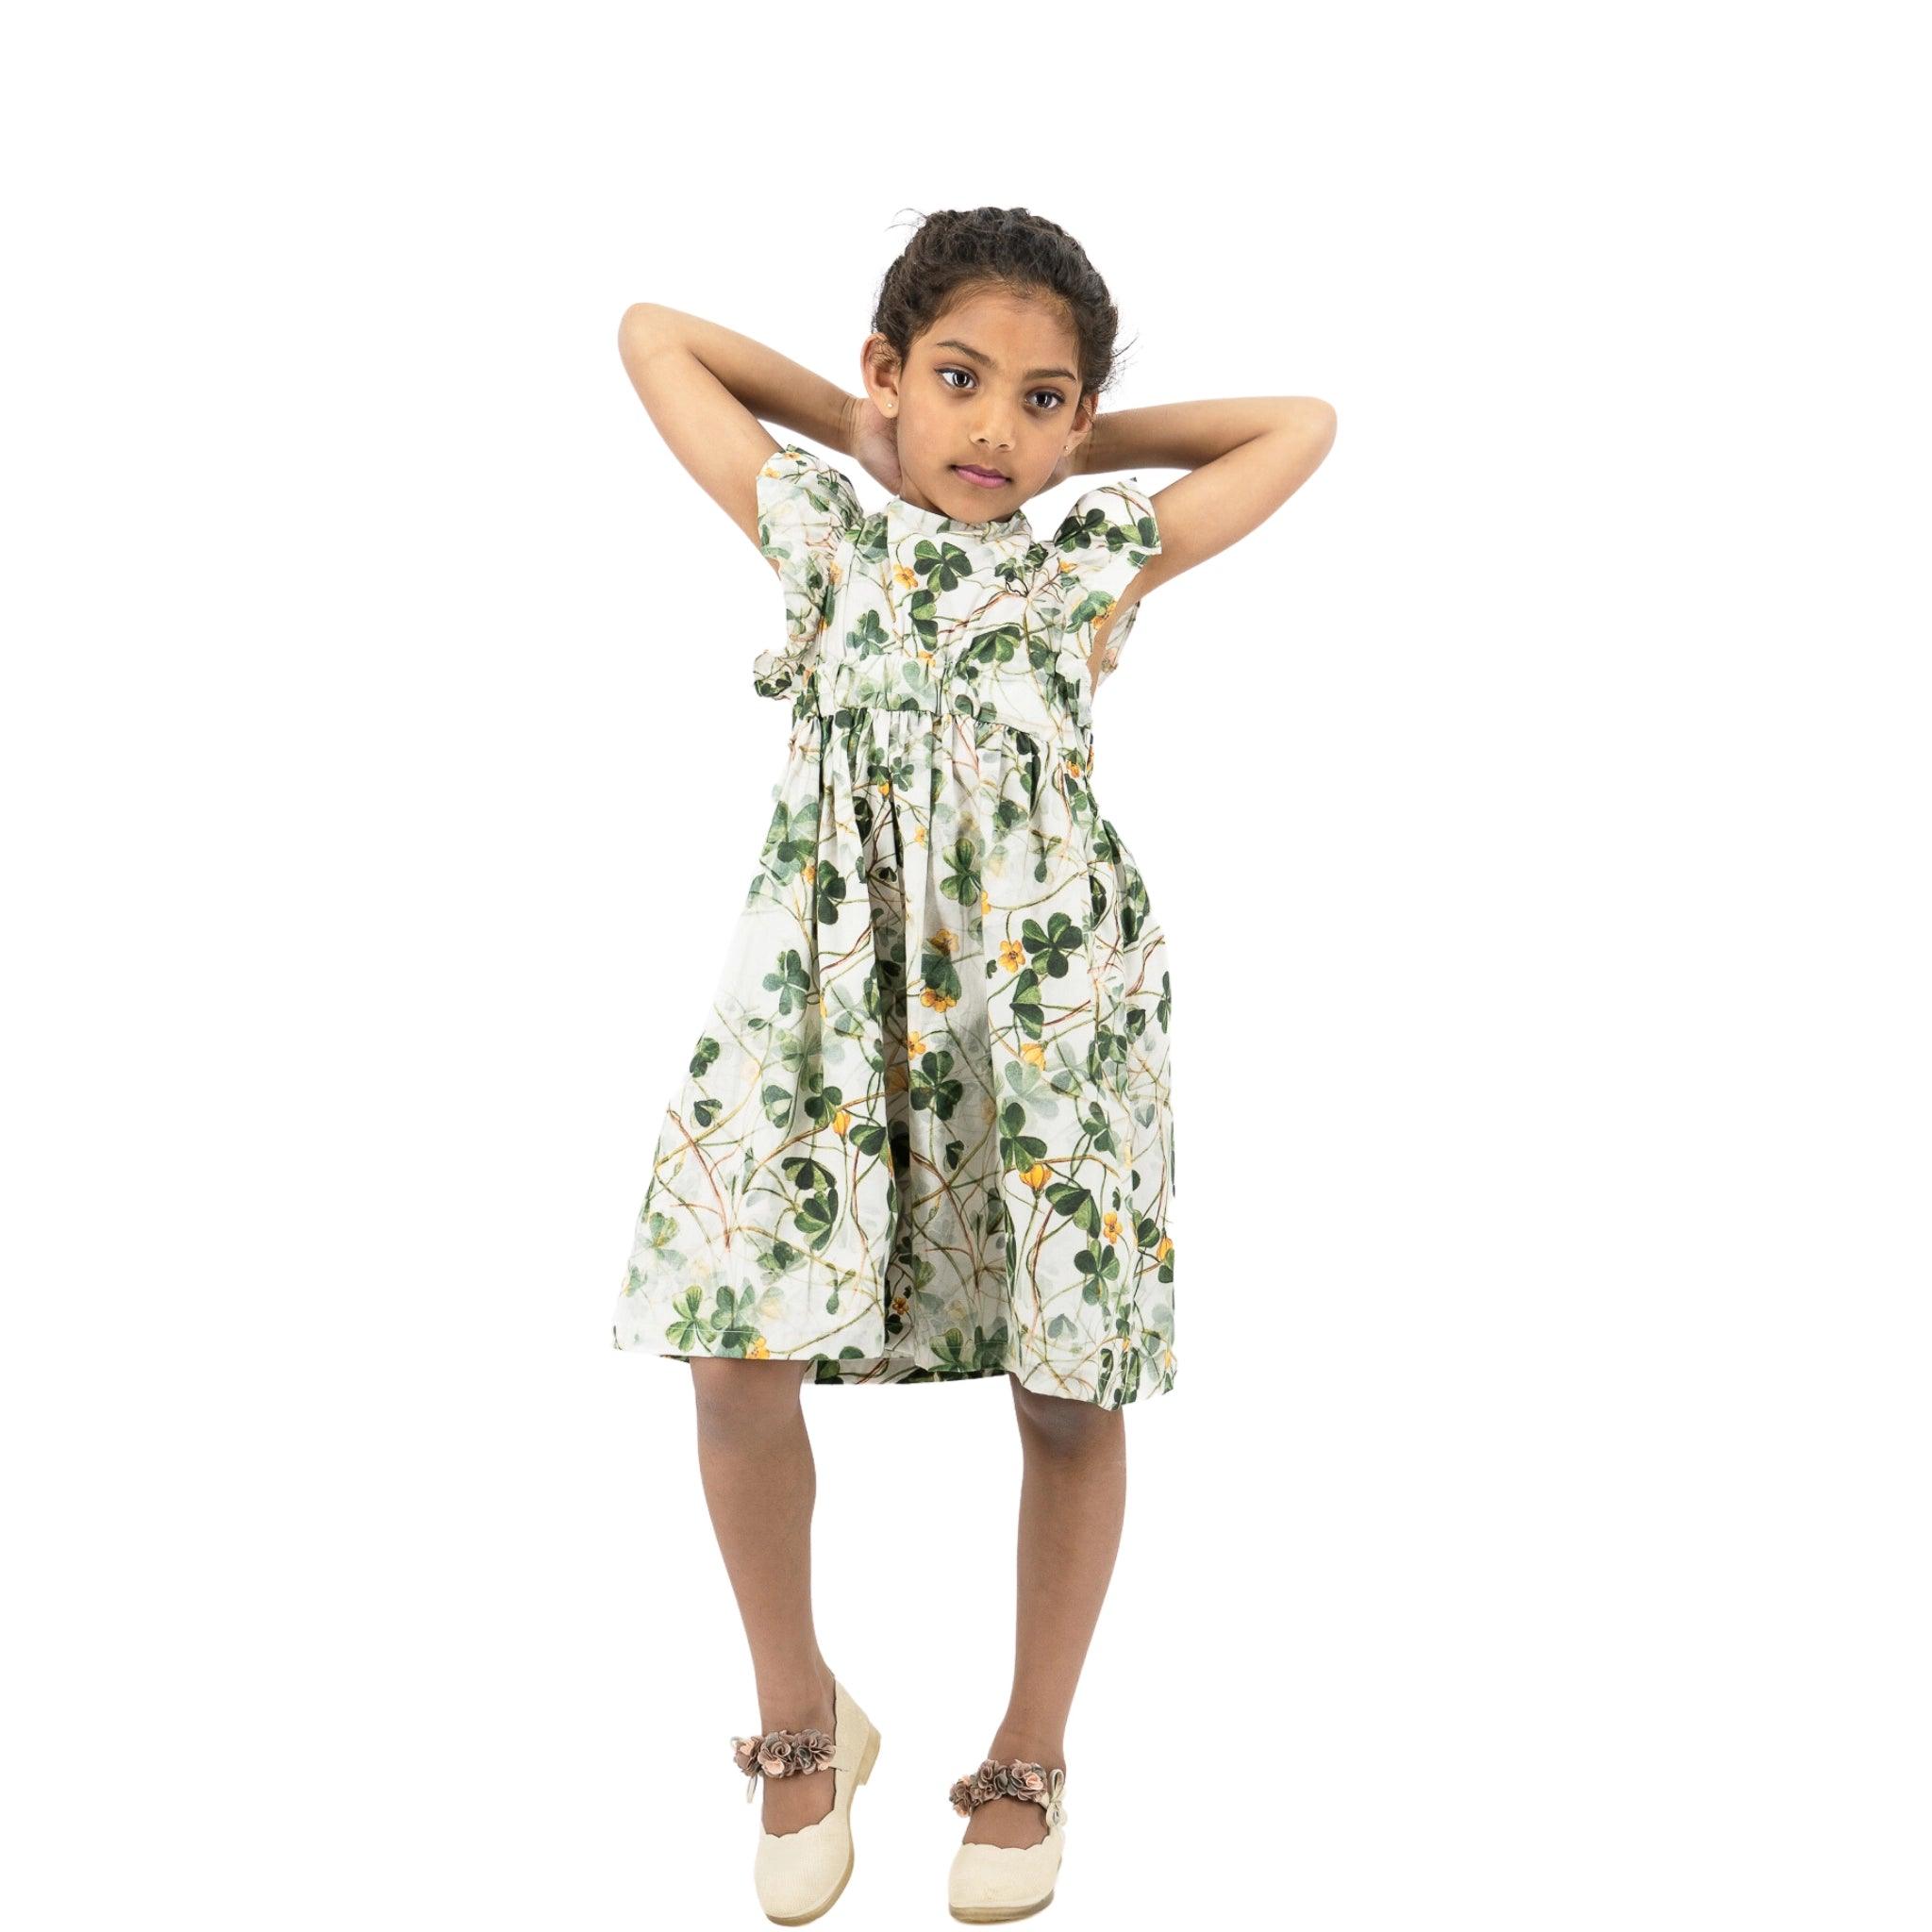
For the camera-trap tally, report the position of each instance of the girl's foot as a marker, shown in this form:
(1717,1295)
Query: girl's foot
(1014,1823)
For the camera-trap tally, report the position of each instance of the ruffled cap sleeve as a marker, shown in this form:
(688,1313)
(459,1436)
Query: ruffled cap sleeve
(1102,541)
(806,510)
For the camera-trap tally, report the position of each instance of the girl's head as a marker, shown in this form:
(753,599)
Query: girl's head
(992,338)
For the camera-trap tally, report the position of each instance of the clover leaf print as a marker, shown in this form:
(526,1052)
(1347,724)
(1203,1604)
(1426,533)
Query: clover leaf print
(1029,1013)
(816,1212)
(733,1325)
(921,613)
(1147,1234)
(1097,528)
(656,1233)
(1127,1386)
(822,1105)
(1098,1262)
(1054,945)
(999,645)
(791,981)
(869,637)
(989,1354)
(1021,1152)
(790,840)
(1099,1134)
(935,969)
(704,1057)
(1030,1087)
(828,891)
(1076,1202)
(931,1083)
(916,673)
(688,1326)
(1133,903)
(960,882)
(780,1100)
(943,565)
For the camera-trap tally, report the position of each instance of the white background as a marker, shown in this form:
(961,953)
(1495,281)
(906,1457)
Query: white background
(1536,1535)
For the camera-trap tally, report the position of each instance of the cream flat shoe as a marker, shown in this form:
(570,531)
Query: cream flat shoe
(989,1883)
(799,1874)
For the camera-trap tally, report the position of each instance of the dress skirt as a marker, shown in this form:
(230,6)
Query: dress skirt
(925,1132)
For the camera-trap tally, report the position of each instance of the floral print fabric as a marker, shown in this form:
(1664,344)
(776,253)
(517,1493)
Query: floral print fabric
(925,1132)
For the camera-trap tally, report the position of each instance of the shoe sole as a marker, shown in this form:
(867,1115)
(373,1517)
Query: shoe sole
(866,1761)
(990,1915)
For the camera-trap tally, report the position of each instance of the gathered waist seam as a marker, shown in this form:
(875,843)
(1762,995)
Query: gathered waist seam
(1067,732)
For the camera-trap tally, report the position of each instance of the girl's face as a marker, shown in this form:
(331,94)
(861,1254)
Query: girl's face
(988,404)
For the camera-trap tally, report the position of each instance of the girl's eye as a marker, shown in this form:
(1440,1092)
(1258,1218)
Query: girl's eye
(1053,398)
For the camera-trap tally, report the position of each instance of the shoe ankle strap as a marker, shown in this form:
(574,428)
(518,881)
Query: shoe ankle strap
(1016,1778)
(780,1753)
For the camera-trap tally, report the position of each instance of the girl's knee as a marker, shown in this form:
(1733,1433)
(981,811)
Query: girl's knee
(1065,1420)
(728,1385)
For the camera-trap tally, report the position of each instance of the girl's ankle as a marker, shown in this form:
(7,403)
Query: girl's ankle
(795,1704)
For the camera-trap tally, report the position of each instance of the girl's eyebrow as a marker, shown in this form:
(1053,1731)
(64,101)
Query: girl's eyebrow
(950,343)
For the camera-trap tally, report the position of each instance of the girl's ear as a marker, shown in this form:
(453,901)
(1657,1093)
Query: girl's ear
(1085,410)
(879,372)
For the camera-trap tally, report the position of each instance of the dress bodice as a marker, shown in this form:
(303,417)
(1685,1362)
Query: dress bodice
(906,608)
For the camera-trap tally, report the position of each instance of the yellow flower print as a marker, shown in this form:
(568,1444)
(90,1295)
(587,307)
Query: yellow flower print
(984,901)
(840,1121)
(1036,1053)
(931,997)
(761,1351)
(1012,954)
(905,578)
(808,871)
(1164,1249)
(945,941)
(900,1304)
(1037,1175)
(883,785)
(1068,566)
(1109,1227)
(915,1044)
(919,835)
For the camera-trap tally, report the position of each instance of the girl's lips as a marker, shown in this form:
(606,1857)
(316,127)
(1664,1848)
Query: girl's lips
(987,479)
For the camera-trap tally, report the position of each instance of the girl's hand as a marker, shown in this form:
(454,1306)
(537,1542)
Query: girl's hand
(875,443)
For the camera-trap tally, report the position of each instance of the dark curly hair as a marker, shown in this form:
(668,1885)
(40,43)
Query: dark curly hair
(956,251)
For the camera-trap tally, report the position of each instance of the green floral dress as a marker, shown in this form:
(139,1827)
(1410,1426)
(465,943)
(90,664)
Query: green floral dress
(925,1131)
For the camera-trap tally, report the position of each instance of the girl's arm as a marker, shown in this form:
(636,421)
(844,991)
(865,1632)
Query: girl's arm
(706,387)
(1245,456)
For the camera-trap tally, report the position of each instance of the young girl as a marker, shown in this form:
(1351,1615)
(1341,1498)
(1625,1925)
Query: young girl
(926,1133)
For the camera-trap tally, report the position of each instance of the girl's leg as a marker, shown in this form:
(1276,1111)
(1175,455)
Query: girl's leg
(755,1457)
(1073,1498)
